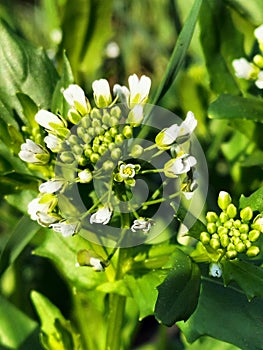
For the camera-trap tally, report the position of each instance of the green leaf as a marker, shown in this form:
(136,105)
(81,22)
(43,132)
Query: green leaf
(179,52)
(26,69)
(63,253)
(178,294)
(23,232)
(247,275)
(225,314)
(59,104)
(251,10)
(254,200)
(228,107)
(254,159)
(15,327)
(198,225)
(29,108)
(221,43)
(14,182)
(57,332)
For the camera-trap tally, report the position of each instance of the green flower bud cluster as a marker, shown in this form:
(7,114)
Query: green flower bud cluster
(230,234)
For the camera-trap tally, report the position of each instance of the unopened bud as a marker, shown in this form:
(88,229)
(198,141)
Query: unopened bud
(116,153)
(258,223)
(223,217)
(258,60)
(95,114)
(222,230)
(119,139)
(127,131)
(253,235)
(231,211)
(224,240)
(253,251)
(67,157)
(244,228)
(85,176)
(85,122)
(136,151)
(237,223)
(224,200)
(108,165)
(214,243)
(231,254)
(116,112)
(240,247)
(211,227)
(113,131)
(94,157)
(211,216)
(228,224)
(246,214)
(205,237)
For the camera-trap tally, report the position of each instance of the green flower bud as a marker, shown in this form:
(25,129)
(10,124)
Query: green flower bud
(136,151)
(231,246)
(244,228)
(258,60)
(211,216)
(85,176)
(224,200)
(94,157)
(235,240)
(91,131)
(215,235)
(102,149)
(127,131)
(248,243)
(112,146)
(116,153)
(114,121)
(95,148)
(214,243)
(228,224)
(243,236)
(85,122)
(113,131)
(253,235)
(224,240)
(67,157)
(106,119)
(240,247)
(211,227)
(96,141)
(204,237)
(77,149)
(108,165)
(116,112)
(258,223)
(235,232)
(231,210)
(42,158)
(231,254)
(222,230)
(73,116)
(99,130)
(88,152)
(81,131)
(95,114)
(246,214)
(82,161)
(223,217)
(237,223)
(95,123)
(119,139)
(74,140)
(253,251)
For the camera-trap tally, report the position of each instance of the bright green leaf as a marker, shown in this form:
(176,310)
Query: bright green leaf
(251,10)
(254,200)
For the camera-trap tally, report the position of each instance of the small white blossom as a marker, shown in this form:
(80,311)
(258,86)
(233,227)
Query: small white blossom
(127,171)
(167,136)
(48,120)
(259,81)
(141,225)
(96,264)
(136,115)
(102,216)
(33,153)
(139,89)
(189,185)
(52,142)
(258,32)
(179,165)
(186,128)
(122,92)
(215,270)
(85,176)
(51,186)
(244,69)
(102,94)
(65,228)
(34,207)
(258,223)
(45,219)
(76,98)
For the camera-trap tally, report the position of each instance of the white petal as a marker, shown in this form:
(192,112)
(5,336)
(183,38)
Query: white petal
(189,124)
(122,92)
(51,186)
(52,142)
(101,87)
(102,216)
(170,134)
(28,157)
(44,118)
(96,264)
(75,93)
(243,68)
(258,32)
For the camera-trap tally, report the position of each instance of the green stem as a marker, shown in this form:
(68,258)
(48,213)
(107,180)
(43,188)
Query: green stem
(160,200)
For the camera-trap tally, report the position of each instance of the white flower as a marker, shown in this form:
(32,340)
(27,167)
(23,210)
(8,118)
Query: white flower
(33,153)
(179,165)
(167,136)
(76,98)
(85,176)
(48,120)
(34,207)
(136,115)
(215,270)
(96,264)
(258,32)
(141,224)
(259,81)
(258,223)
(102,94)
(139,89)
(244,69)
(65,228)
(189,185)
(102,216)
(52,142)
(122,92)
(51,186)
(127,171)
(186,128)
(45,219)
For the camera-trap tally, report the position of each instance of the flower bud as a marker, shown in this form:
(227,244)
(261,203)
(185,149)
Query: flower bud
(231,246)
(95,148)
(119,139)
(222,230)
(235,232)
(224,240)
(114,122)
(211,227)
(235,240)
(244,228)
(115,112)
(94,157)
(91,131)
(231,254)
(211,216)
(237,223)
(231,210)
(214,243)
(246,214)
(240,247)
(102,149)
(205,237)
(67,157)
(243,236)
(85,122)
(85,176)
(106,118)
(82,161)
(253,235)
(108,165)
(258,60)
(113,131)
(248,243)
(102,95)
(228,224)
(253,251)
(73,116)
(224,200)
(116,153)
(88,152)
(95,122)
(223,217)
(136,151)
(127,131)
(258,223)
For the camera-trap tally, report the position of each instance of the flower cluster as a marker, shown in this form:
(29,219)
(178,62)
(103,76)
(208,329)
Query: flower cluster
(91,142)
(230,234)
(252,70)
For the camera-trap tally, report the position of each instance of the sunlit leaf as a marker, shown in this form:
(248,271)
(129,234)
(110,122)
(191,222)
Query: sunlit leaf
(254,200)
(251,10)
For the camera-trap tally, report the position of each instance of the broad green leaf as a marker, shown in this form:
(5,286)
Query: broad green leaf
(179,52)
(208,343)
(221,44)
(57,331)
(59,104)
(225,314)
(63,253)
(178,294)
(248,276)
(29,108)
(20,200)
(253,159)
(19,238)
(236,107)
(26,69)
(251,10)
(16,328)
(15,182)
(254,201)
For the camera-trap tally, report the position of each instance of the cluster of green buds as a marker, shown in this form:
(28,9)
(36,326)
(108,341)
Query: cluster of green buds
(94,142)
(252,70)
(231,234)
